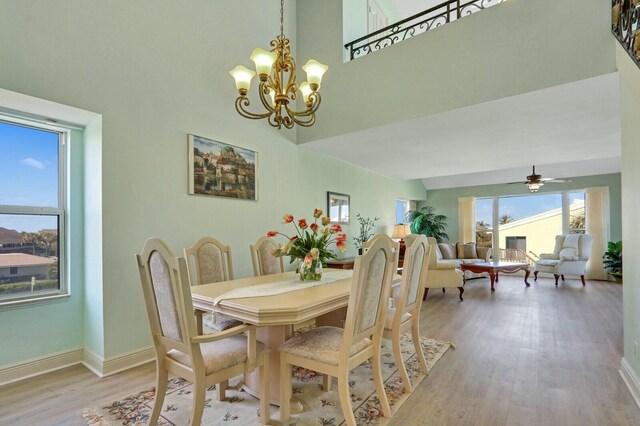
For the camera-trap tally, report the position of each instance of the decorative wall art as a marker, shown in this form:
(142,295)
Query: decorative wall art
(222,170)
(338,207)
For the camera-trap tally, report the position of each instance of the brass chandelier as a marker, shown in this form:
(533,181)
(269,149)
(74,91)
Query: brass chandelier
(277,72)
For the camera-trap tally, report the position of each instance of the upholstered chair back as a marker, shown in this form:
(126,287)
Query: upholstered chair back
(264,263)
(432,255)
(372,275)
(211,260)
(395,247)
(165,285)
(573,247)
(414,274)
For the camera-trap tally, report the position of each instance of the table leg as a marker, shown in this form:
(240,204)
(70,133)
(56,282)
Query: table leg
(497,275)
(272,336)
(526,276)
(492,275)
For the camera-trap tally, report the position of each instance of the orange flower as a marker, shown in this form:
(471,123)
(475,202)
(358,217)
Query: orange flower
(272,233)
(314,227)
(335,228)
(308,260)
(302,223)
(326,220)
(341,246)
(341,238)
(287,218)
(317,213)
(295,237)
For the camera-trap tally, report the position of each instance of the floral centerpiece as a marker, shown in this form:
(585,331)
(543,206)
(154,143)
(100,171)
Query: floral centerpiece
(310,244)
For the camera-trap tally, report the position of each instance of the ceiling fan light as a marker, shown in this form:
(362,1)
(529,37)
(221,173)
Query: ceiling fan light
(534,186)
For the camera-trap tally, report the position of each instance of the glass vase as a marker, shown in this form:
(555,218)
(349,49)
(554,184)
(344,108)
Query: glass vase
(312,272)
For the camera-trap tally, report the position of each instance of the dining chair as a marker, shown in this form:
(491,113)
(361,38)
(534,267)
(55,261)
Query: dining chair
(334,351)
(405,314)
(202,360)
(212,263)
(264,263)
(395,247)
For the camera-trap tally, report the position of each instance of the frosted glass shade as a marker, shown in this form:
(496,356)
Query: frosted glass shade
(264,60)
(306,91)
(315,70)
(534,187)
(242,76)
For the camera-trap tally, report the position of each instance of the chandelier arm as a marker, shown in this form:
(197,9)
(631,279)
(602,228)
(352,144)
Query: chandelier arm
(291,83)
(242,102)
(263,97)
(305,123)
(310,110)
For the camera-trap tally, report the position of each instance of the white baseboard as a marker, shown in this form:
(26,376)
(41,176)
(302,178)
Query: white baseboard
(35,367)
(631,379)
(98,365)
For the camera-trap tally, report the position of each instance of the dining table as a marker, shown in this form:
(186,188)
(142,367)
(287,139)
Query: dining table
(275,315)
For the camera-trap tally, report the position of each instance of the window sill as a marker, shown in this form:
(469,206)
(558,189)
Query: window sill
(33,301)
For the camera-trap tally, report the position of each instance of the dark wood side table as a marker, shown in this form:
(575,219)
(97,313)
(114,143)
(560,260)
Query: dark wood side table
(345,263)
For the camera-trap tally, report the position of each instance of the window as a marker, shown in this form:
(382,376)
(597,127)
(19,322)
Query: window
(576,213)
(484,222)
(518,243)
(402,207)
(32,215)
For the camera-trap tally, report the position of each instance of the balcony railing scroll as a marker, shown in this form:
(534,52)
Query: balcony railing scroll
(449,10)
(625,26)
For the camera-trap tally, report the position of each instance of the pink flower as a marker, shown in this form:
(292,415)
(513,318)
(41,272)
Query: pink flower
(302,223)
(272,233)
(287,218)
(317,213)
(307,261)
(314,227)
(336,228)
(326,220)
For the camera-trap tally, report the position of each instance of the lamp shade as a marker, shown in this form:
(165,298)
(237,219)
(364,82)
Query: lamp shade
(264,60)
(242,76)
(535,186)
(315,70)
(306,91)
(400,231)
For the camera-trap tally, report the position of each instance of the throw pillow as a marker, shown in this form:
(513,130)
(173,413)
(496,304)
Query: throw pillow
(460,250)
(470,251)
(438,253)
(448,251)
(569,253)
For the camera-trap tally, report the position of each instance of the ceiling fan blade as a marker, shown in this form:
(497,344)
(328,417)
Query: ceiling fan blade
(558,180)
(516,183)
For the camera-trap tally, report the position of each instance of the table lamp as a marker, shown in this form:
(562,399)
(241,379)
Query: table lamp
(399,232)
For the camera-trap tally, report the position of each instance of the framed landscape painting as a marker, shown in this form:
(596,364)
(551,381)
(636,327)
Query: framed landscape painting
(222,170)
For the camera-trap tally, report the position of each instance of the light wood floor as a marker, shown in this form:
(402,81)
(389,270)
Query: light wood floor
(536,356)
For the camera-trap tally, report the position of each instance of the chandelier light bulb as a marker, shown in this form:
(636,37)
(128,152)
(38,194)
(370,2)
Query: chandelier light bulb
(242,76)
(264,62)
(315,70)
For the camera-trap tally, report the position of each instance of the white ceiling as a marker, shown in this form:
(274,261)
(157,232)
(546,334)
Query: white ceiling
(575,126)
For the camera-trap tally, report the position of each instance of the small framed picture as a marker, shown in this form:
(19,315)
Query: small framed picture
(219,169)
(338,207)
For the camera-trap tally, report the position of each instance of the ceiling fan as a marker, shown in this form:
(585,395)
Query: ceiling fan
(535,181)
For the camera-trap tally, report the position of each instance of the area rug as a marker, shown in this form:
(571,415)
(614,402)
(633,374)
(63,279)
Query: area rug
(240,408)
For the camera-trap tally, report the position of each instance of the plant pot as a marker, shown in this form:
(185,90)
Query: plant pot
(617,276)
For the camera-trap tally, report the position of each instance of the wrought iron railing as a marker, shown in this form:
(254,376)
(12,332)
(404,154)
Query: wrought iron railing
(449,10)
(625,26)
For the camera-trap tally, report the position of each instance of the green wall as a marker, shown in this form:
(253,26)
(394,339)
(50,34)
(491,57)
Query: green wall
(515,47)
(156,71)
(630,101)
(446,200)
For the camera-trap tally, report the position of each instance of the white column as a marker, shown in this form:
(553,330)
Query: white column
(597,225)
(466,219)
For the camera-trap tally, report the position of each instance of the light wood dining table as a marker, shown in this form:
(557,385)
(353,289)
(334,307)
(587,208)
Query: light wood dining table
(275,315)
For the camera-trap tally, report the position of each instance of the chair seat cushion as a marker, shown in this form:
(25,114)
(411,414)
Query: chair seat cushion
(221,323)
(221,354)
(547,262)
(391,312)
(321,344)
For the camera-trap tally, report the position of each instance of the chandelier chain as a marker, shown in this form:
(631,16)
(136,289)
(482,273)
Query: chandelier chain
(282,19)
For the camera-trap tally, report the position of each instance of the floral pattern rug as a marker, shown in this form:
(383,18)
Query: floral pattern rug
(240,408)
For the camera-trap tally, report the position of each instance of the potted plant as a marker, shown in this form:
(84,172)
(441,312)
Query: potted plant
(366,225)
(426,221)
(613,260)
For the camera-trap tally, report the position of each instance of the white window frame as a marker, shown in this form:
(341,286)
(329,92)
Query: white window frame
(64,135)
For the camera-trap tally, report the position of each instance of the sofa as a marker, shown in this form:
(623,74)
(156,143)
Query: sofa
(460,253)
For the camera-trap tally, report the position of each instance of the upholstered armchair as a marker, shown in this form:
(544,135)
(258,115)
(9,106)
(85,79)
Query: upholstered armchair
(442,274)
(569,257)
